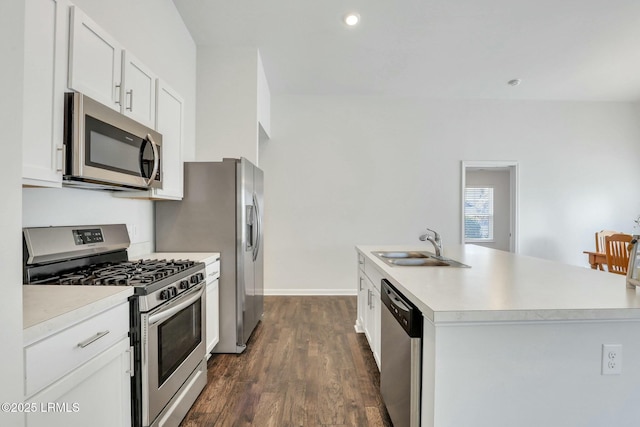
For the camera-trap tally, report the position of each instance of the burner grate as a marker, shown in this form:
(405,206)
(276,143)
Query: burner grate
(128,273)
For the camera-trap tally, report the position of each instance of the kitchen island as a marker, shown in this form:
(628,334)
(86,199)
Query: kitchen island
(516,340)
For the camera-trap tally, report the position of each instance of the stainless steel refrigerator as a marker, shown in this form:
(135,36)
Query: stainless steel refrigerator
(222,211)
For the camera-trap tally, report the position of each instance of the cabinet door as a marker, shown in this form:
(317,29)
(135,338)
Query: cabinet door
(368,313)
(97,393)
(213,312)
(139,90)
(362,302)
(95,61)
(376,307)
(170,123)
(45,38)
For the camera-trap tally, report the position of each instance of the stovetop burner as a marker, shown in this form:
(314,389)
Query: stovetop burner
(128,273)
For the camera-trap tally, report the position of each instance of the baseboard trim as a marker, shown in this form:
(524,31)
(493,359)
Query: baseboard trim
(310,292)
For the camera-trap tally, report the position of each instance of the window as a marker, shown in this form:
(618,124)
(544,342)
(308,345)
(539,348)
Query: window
(478,214)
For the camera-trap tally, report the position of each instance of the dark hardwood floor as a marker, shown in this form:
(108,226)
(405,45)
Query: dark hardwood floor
(304,366)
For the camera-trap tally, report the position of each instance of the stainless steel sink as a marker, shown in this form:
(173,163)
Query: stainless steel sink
(417,259)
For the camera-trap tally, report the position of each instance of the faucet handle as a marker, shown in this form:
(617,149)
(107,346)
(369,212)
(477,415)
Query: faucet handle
(436,235)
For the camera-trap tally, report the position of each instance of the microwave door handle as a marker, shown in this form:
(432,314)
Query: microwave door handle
(156,159)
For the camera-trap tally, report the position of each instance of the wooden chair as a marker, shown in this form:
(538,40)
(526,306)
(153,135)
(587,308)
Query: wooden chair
(617,250)
(600,243)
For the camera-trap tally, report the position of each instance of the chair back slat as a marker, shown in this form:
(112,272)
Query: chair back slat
(617,251)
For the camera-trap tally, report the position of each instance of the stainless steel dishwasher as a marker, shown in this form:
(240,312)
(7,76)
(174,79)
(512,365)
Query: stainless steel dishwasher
(401,357)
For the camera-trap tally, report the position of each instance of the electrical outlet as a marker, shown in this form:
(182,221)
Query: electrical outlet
(611,359)
(133,231)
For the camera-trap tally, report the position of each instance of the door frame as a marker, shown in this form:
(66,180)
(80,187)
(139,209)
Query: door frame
(513,168)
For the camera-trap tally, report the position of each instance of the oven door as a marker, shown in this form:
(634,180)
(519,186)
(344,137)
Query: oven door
(173,345)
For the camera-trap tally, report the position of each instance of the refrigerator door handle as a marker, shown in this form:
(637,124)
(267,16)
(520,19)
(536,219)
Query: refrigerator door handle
(258,222)
(251,225)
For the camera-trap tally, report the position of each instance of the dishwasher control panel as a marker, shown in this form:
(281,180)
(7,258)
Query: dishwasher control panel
(405,313)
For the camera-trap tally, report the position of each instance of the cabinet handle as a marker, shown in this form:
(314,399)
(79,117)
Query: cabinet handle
(59,159)
(369,298)
(130,93)
(360,283)
(214,273)
(132,365)
(92,339)
(118,92)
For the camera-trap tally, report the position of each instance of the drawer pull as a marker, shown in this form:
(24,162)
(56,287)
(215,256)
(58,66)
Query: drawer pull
(214,273)
(96,337)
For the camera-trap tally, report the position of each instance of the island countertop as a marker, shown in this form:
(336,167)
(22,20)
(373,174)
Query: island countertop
(502,286)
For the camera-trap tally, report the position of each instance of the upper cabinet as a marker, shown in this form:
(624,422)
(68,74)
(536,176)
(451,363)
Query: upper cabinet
(170,123)
(66,50)
(45,66)
(95,61)
(102,69)
(139,90)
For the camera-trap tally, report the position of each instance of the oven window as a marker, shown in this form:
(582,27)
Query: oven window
(177,338)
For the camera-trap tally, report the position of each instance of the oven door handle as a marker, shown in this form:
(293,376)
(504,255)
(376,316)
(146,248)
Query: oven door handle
(184,302)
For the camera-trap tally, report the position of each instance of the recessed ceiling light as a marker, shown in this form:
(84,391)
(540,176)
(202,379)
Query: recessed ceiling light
(351,19)
(514,82)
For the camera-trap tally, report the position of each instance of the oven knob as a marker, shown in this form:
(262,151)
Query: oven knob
(165,294)
(184,284)
(172,291)
(195,279)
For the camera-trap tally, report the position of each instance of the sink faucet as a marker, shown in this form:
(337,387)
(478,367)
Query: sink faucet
(435,240)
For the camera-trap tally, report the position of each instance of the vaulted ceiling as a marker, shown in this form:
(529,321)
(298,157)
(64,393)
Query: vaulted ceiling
(559,49)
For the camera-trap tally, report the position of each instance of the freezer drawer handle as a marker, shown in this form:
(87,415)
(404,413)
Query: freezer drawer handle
(92,339)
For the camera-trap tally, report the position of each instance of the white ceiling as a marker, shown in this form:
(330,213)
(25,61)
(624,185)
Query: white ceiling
(560,49)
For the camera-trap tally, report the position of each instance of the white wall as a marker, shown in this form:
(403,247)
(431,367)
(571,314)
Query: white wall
(342,171)
(154,32)
(11,365)
(227,103)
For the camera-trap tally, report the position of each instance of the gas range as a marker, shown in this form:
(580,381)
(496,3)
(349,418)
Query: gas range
(97,256)
(167,311)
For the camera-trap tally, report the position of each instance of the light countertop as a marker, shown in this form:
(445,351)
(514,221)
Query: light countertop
(501,286)
(51,308)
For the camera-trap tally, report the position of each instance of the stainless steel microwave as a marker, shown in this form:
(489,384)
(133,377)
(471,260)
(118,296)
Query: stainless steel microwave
(108,150)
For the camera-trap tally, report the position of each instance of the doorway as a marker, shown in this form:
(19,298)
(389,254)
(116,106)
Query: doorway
(489,196)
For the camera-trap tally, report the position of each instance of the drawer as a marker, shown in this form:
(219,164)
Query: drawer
(373,273)
(213,271)
(55,356)
(360,261)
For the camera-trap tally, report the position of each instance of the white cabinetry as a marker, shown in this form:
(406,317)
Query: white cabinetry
(96,394)
(369,305)
(102,69)
(95,61)
(45,59)
(170,123)
(139,87)
(80,374)
(213,306)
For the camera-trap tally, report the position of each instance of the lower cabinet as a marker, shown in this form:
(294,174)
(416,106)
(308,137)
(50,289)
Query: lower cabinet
(213,304)
(213,319)
(369,306)
(78,373)
(96,394)
(372,319)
